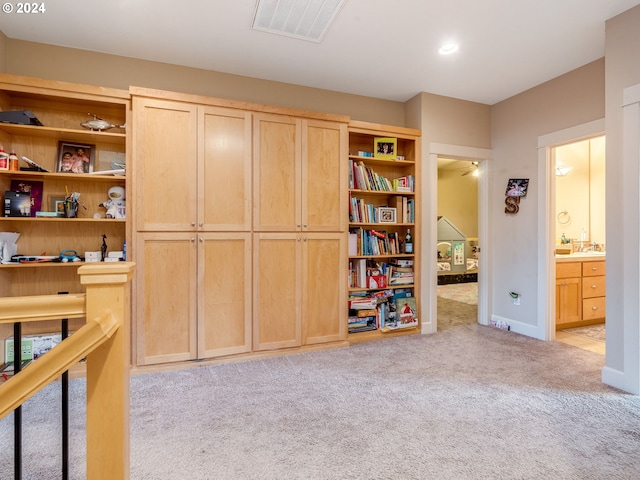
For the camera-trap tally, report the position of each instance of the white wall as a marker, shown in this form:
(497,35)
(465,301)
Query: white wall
(517,123)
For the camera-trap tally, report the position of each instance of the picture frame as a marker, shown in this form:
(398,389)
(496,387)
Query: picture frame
(75,157)
(387,215)
(56,204)
(385,147)
(517,187)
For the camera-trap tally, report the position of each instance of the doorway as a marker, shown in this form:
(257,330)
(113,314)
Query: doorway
(549,234)
(580,234)
(457,242)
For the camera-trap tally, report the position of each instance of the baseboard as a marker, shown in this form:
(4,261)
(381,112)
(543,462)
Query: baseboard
(614,378)
(517,327)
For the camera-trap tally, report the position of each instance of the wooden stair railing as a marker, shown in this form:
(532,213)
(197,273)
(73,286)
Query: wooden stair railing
(105,340)
(25,384)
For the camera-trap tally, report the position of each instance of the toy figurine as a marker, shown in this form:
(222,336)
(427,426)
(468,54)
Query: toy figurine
(116,205)
(103,249)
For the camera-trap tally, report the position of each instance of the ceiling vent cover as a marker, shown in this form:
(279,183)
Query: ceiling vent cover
(302,19)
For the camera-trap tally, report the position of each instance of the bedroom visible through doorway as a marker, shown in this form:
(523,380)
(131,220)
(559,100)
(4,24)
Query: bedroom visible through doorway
(457,242)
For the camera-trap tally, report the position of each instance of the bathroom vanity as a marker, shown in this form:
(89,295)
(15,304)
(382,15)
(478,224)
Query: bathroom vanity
(580,289)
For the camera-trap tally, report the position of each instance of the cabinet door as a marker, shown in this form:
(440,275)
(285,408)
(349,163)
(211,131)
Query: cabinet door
(164,149)
(166,300)
(568,300)
(277,173)
(224,294)
(276,292)
(224,169)
(323,292)
(324,173)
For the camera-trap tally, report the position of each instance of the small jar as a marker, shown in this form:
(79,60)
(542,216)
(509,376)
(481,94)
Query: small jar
(13,161)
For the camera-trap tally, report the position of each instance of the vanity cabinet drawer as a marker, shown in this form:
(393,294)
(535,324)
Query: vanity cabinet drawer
(593,269)
(594,287)
(593,308)
(568,270)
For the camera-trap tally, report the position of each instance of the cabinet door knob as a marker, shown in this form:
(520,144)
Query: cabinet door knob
(594,268)
(594,308)
(201,240)
(193,224)
(594,286)
(201,224)
(193,240)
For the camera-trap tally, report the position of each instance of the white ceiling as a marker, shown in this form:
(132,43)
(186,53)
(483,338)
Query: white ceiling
(375,48)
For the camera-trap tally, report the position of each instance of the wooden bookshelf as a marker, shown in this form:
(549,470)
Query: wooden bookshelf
(384,204)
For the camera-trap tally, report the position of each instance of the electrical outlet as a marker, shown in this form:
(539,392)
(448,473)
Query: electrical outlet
(516,301)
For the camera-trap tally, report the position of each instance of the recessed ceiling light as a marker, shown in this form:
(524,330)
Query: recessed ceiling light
(448,49)
(303,19)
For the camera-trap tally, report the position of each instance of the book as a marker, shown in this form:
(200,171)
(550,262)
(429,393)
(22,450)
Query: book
(17,204)
(406,312)
(34,189)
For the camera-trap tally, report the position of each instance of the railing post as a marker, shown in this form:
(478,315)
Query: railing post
(108,287)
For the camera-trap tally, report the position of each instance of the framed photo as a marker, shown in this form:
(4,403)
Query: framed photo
(385,147)
(517,187)
(386,215)
(56,204)
(75,158)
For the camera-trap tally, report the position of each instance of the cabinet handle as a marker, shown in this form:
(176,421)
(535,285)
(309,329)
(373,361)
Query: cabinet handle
(298,225)
(594,268)
(193,224)
(298,238)
(594,308)
(594,286)
(201,240)
(193,240)
(305,225)
(201,224)
(305,239)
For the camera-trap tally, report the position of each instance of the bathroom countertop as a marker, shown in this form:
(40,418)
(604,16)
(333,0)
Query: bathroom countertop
(581,257)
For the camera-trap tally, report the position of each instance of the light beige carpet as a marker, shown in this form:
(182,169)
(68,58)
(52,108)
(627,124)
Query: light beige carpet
(470,402)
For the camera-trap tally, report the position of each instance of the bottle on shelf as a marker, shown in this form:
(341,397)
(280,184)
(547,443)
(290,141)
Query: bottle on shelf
(408,242)
(13,161)
(4,159)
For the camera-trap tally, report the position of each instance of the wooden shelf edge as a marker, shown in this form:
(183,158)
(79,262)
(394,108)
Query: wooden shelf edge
(380,192)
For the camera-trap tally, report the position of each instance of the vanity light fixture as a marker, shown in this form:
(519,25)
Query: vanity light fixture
(448,49)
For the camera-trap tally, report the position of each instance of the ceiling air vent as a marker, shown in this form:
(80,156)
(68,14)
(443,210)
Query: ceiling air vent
(303,19)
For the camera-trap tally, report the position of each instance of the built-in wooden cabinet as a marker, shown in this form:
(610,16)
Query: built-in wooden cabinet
(243,208)
(299,289)
(580,293)
(568,293)
(593,290)
(61,108)
(299,174)
(193,181)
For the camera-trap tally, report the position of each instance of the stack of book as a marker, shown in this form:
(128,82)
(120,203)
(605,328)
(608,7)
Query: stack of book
(400,272)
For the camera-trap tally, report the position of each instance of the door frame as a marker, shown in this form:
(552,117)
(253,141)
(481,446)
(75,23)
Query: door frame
(429,289)
(546,330)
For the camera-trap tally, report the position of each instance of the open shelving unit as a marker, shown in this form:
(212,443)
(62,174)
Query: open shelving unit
(383,204)
(61,108)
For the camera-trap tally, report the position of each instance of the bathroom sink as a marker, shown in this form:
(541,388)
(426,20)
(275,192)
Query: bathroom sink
(587,254)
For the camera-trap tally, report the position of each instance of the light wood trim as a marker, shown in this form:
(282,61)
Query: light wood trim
(18,83)
(108,287)
(41,307)
(220,102)
(21,387)
(381,130)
